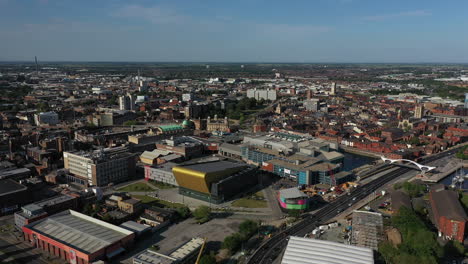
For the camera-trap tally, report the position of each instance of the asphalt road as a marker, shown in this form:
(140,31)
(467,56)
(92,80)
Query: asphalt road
(270,249)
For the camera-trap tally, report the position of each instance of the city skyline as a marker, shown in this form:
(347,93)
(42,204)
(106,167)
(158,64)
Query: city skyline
(331,31)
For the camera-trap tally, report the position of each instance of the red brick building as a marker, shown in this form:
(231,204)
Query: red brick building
(78,238)
(449,216)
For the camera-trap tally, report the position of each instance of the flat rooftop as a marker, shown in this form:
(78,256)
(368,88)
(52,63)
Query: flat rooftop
(8,186)
(292,193)
(313,251)
(151,257)
(81,232)
(187,248)
(12,172)
(367,229)
(54,200)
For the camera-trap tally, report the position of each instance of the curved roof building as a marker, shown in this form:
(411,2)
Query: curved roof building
(214,181)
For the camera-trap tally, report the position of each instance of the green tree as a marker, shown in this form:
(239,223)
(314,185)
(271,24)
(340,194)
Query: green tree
(207,259)
(21,78)
(107,218)
(113,100)
(183,212)
(418,242)
(88,209)
(415,141)
(248,228)
(232,242)
(397,185)
(414,190)
(294,213)
(130,123)
(43,107)
(202,214)
(454,249)
(241,119)
(387,251)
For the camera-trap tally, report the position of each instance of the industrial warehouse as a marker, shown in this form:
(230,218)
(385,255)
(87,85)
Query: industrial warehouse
(78,238)
(215,181)
(298,251)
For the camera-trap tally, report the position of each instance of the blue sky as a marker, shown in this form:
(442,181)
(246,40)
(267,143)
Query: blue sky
(235,30)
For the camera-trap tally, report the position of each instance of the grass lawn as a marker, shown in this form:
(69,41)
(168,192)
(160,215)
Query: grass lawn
(257,200)
(161,185)
(249,203)
(136,187)
(157,202)
(464,200)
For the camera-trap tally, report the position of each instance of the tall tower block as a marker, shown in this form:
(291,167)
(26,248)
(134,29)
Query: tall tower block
(37,66)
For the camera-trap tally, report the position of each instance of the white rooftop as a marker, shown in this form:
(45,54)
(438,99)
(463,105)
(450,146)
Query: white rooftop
(291,193)
(313,251)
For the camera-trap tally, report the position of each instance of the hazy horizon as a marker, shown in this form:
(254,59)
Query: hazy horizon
(320,31)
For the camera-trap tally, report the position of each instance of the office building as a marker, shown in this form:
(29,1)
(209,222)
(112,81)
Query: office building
(100,167)
(194,111)
(78,238)
(466,100)
(313,251)
(333,88)
(127,102)
(312,104)
(265,94)
(187,97)
(215,181)
(28,214)
(35,211)
(46,118)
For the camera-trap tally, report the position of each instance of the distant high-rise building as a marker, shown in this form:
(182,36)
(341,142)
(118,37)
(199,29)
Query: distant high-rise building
(127,102)
(333,88)
(309,94)
(466,101)
(419,110)
(262,94)
(312,104)
(37,66)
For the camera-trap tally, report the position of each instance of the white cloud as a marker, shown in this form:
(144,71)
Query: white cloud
(155,14)
(416,13)
(293,29)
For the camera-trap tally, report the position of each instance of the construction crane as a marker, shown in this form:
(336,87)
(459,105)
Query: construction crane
(201,251)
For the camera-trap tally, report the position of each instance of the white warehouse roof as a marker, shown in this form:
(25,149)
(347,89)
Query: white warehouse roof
(313,251)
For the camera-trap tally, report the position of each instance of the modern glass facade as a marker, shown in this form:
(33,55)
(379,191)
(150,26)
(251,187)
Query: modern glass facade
(256,156)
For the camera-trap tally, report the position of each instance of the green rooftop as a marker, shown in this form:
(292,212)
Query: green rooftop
(166,128)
